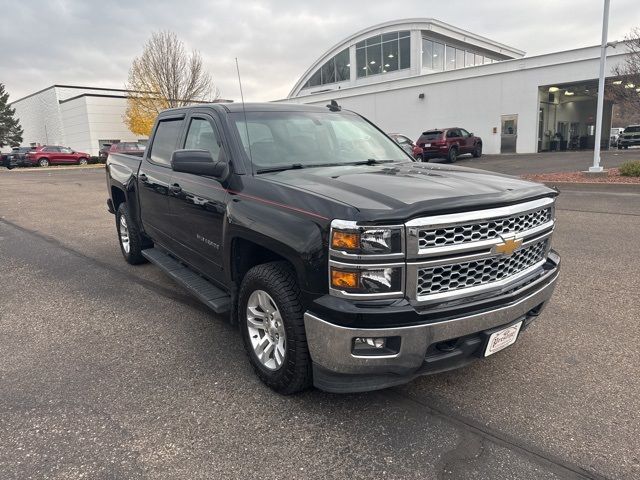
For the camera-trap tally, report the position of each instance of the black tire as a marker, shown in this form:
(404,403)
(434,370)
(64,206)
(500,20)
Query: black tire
(83,161)
(626,147)
(477,151)
(452,156)
(420,158)
(133,255)
(279,280)
(619,147)
(43,162)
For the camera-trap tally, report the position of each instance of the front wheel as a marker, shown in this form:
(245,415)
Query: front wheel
(271,320)
(83,161)
(129,236)
(477,151)
(43,162)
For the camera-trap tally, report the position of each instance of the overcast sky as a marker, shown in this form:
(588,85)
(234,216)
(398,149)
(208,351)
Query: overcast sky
(92,43)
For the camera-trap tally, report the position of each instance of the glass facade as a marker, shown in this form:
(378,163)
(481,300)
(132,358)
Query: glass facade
(336,69)
(439,56)
(383,53)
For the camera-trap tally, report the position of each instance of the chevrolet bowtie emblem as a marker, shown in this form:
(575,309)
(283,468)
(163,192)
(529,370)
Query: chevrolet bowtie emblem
(509,246)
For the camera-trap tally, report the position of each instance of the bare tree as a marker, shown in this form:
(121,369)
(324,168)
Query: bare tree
(165,76)
(625,90)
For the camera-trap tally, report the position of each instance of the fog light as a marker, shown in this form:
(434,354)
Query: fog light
(375,346)
(369,342)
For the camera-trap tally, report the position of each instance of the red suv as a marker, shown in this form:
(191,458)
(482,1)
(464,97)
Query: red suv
(448,143)
(49,155)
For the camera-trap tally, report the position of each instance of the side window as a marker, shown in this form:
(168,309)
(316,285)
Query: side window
(451,133)
(202,136)
(164,141)
(65,150)
(464,133)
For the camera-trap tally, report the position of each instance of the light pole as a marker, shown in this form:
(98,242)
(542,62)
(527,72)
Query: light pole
(596,168)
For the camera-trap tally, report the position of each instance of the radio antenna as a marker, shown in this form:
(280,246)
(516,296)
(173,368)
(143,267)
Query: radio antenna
(244,111)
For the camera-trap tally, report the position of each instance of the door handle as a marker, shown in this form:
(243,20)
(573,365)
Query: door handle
(143,178)
(175,188)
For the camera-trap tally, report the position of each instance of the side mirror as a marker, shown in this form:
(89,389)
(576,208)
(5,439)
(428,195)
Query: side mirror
(200,162)
(471,134)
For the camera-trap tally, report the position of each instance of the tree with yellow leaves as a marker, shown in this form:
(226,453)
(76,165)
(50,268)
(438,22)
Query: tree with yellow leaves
(164,76)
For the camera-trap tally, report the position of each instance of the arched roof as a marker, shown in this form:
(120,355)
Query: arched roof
(405,24)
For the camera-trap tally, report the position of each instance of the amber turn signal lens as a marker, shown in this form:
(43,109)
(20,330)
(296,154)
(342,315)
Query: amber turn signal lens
(345,240)
(341,279)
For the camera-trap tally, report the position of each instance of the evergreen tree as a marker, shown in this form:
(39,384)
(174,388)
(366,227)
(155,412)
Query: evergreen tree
(10,129)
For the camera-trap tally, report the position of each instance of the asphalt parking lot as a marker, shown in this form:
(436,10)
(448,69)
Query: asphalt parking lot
(113,371)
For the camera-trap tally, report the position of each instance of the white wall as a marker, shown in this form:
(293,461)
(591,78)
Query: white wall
(40,118)
(473,98)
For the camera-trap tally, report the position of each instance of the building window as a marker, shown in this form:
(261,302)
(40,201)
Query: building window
(438,56)
(383,53)
(450,60)
(433,55)
(336,69)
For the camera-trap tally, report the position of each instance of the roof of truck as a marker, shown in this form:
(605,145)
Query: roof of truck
(266,107)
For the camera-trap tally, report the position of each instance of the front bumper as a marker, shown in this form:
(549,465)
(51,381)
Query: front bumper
(423,349)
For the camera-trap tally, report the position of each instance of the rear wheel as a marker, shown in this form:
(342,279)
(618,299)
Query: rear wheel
(43,162)
(477,151)
(452,155)
(271,320)
(420,158)
(129,236)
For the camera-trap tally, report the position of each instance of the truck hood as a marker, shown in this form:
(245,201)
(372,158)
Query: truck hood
(402,190)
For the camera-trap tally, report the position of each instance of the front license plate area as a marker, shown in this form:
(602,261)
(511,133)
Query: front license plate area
(502,339)
(427,145)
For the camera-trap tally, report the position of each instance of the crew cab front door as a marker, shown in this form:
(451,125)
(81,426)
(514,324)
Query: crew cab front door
(198,203)
(154,178)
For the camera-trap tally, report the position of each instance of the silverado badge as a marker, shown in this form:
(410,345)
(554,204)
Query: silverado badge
(509,246)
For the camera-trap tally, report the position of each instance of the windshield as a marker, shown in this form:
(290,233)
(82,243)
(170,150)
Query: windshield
(303,139)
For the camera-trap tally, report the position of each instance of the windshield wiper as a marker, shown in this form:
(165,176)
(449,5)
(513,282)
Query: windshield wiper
(281,168)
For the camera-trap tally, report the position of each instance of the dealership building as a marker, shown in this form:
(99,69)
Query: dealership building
(83,118)
(408,76)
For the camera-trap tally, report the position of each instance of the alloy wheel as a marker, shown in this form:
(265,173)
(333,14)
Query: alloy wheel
(266,330)
(124,234)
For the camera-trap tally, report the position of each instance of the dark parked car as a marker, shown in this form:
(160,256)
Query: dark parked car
(407,144)
(448,143)
(103,153)
(18,157)
(352,269)
(130,148)
(50,155)
(630,137)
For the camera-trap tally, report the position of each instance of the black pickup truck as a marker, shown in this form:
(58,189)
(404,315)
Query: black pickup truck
(346,264)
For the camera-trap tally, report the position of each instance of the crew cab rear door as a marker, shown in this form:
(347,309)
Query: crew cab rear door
(198,203)
(154,178)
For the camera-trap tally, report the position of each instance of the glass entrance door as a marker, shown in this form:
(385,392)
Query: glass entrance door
(508,133)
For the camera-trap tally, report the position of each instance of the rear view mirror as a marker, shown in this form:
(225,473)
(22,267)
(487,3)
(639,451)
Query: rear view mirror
(199,162)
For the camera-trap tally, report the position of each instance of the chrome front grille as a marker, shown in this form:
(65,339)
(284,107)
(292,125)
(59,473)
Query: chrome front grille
(444,278)
(483,230)
(452,256)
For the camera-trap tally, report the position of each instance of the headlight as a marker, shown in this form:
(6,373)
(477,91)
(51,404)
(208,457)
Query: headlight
(348,239)
(366,281)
